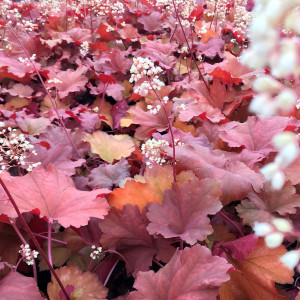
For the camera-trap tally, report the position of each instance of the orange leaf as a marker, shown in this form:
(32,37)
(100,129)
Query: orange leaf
(158,179)
(208,35)
(255,277)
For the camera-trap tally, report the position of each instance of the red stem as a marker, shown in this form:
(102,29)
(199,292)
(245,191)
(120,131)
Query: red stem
(110,272)
(49,243)
(157,262)
(170,128)
(90,265)
(53,240)
(232,223)
(36,243)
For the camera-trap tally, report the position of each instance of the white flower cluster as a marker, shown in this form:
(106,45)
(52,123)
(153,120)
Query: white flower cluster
(13,150)
(84,48)
(144,69)
(27,60)
(271,48)
(28,254)
(106,7)
(153,151)
(154,109)
(242,17)
(97,252)
(272,97)
(268,47)
(184,8)
(274,234)
(54,80)
(287,144)
(221,10)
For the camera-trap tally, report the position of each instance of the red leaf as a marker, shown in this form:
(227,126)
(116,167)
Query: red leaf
(104,35)
(135,97)
(125,230)
(45,144)
(224,77)
(241,247)
(103,118)
(4,219)
(101,47)
(107,78)
(183,214)
(197,13)
(191,274)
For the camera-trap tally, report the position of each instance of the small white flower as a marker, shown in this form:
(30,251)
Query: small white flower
(262,229)
(274,239)
(282,225)
(291,259)
(266,83)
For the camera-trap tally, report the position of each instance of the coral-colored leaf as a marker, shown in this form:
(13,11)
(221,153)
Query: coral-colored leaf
(17,286)
(256,275)
(55,195)
(157,180)
(70,81)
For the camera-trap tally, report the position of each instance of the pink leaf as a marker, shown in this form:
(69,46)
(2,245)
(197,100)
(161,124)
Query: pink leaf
(71,81)
(184,213)
(212,48)
(159,52)
(255,134)
(151,22)
(148,121)
(56,197)
(237,180)
(60,155)
(17,68)
(191,274)
(16,286)
(115,62)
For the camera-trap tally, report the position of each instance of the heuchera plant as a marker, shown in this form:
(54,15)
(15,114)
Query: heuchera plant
(149,149)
